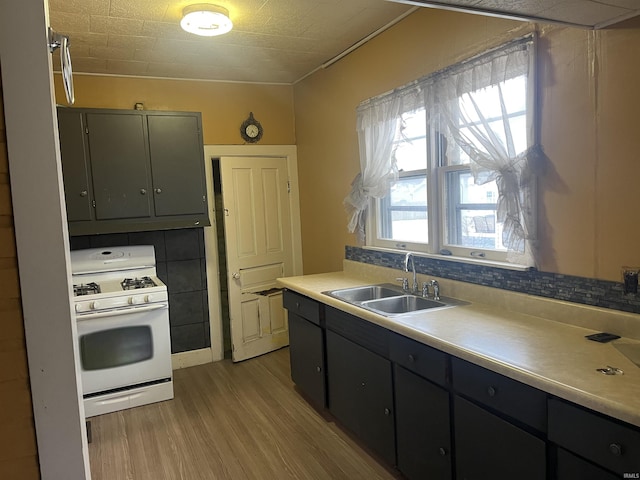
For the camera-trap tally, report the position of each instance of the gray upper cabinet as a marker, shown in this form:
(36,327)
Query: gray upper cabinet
(119,165)
(73,148)
(131,170)
(174,141)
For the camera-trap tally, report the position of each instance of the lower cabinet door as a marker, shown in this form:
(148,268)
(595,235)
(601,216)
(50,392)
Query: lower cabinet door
(423,432)
(360,394)
(306,349)
(488,447)
(570,467)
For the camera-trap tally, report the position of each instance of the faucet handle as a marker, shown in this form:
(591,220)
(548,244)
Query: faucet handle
(425,289)
(436,289)
(405,283)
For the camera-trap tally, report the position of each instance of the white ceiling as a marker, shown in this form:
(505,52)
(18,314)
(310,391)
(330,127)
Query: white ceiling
(273,41)
(276,41)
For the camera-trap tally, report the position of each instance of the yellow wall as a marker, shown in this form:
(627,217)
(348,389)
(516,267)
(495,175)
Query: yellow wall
(224,106)
(588,104)
(18,451)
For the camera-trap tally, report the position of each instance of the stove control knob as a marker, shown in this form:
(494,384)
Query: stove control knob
(134,300)
(78,307)
(94,305)
(148,298)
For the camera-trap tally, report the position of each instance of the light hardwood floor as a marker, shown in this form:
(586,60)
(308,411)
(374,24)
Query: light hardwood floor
(228,421)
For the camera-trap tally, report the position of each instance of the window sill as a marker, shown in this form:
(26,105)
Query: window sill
(457,259)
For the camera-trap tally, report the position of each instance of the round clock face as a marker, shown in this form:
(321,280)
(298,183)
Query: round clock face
(252,130)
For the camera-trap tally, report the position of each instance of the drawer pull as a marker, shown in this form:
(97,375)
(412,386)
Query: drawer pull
(411,358)
(387,411)
(318,369)
(491,391)
(442,451)
(616,449)
(297,305)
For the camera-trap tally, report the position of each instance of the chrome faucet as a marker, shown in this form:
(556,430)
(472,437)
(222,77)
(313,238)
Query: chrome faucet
(407,257)
(436,289)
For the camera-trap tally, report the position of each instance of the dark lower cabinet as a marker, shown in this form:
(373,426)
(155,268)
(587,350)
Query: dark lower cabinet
(488,447)
(570,467)
(360,393)
(423,429)
(307,358)
(435,416)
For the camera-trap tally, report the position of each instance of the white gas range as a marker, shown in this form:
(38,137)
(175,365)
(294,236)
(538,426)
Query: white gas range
(122,314)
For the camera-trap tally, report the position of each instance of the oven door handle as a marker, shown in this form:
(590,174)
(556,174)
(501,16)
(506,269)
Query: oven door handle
(124,311)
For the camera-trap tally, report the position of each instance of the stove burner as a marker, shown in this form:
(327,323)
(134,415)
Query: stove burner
(135,283)
(88,289)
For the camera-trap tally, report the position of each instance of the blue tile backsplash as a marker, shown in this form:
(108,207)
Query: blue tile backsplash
(180,264)
(587,291)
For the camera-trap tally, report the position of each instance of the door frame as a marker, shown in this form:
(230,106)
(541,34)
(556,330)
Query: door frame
(210,236)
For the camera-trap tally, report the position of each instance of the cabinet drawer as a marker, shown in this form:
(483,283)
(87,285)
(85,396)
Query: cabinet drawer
(419,358)
(515,399)
(605,441)
(301,305)
(366,334)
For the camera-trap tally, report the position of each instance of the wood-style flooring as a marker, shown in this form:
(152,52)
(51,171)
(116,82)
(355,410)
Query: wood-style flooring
(228,421)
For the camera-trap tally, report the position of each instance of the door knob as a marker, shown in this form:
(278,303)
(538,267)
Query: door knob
(235,275)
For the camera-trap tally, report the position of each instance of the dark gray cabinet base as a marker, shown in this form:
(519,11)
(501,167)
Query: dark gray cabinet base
(360,394)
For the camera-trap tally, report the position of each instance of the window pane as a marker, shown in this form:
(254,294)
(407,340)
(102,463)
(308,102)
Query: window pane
(481,110)
(403,213)
(471,213)
(411,142)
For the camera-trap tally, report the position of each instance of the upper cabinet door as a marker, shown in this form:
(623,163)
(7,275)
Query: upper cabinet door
(120,163)
(75,164)
(177,164)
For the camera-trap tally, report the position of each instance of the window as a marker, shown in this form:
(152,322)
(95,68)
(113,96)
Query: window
(461,158)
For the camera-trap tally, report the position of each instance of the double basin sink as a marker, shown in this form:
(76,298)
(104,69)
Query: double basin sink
(389,300)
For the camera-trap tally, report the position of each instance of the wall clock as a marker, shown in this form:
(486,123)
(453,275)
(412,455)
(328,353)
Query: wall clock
(251,130)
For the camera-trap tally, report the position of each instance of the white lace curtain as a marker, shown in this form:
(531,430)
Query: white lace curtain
(377,126)
(449,97)
(456,96)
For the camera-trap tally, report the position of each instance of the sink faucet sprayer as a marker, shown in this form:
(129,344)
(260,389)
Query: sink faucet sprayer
(407,257)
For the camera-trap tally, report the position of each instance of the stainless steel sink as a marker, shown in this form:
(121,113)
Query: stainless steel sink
(403,304)
(390,300)
(362,294)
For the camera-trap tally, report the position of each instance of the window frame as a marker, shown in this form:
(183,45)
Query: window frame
(437,190)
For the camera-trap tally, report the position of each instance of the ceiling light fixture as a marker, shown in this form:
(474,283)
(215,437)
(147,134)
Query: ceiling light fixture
(206,20)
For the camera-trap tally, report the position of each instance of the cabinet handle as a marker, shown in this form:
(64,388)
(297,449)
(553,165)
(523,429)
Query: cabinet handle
(411,358)
(491,391)
(235,275)
(297,305)
(158,190)
(615,449)
(318,369)
(84,193)
(442,451)
(387,411)
(143,191)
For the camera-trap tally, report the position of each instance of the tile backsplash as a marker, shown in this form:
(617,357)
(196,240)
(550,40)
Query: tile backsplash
(587,291)
(180,263)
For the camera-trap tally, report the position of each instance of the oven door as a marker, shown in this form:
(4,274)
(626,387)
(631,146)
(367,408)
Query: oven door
(124,348)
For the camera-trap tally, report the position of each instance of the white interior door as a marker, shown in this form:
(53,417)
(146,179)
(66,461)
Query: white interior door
(258,241)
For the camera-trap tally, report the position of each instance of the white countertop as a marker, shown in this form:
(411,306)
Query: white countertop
(550,355)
